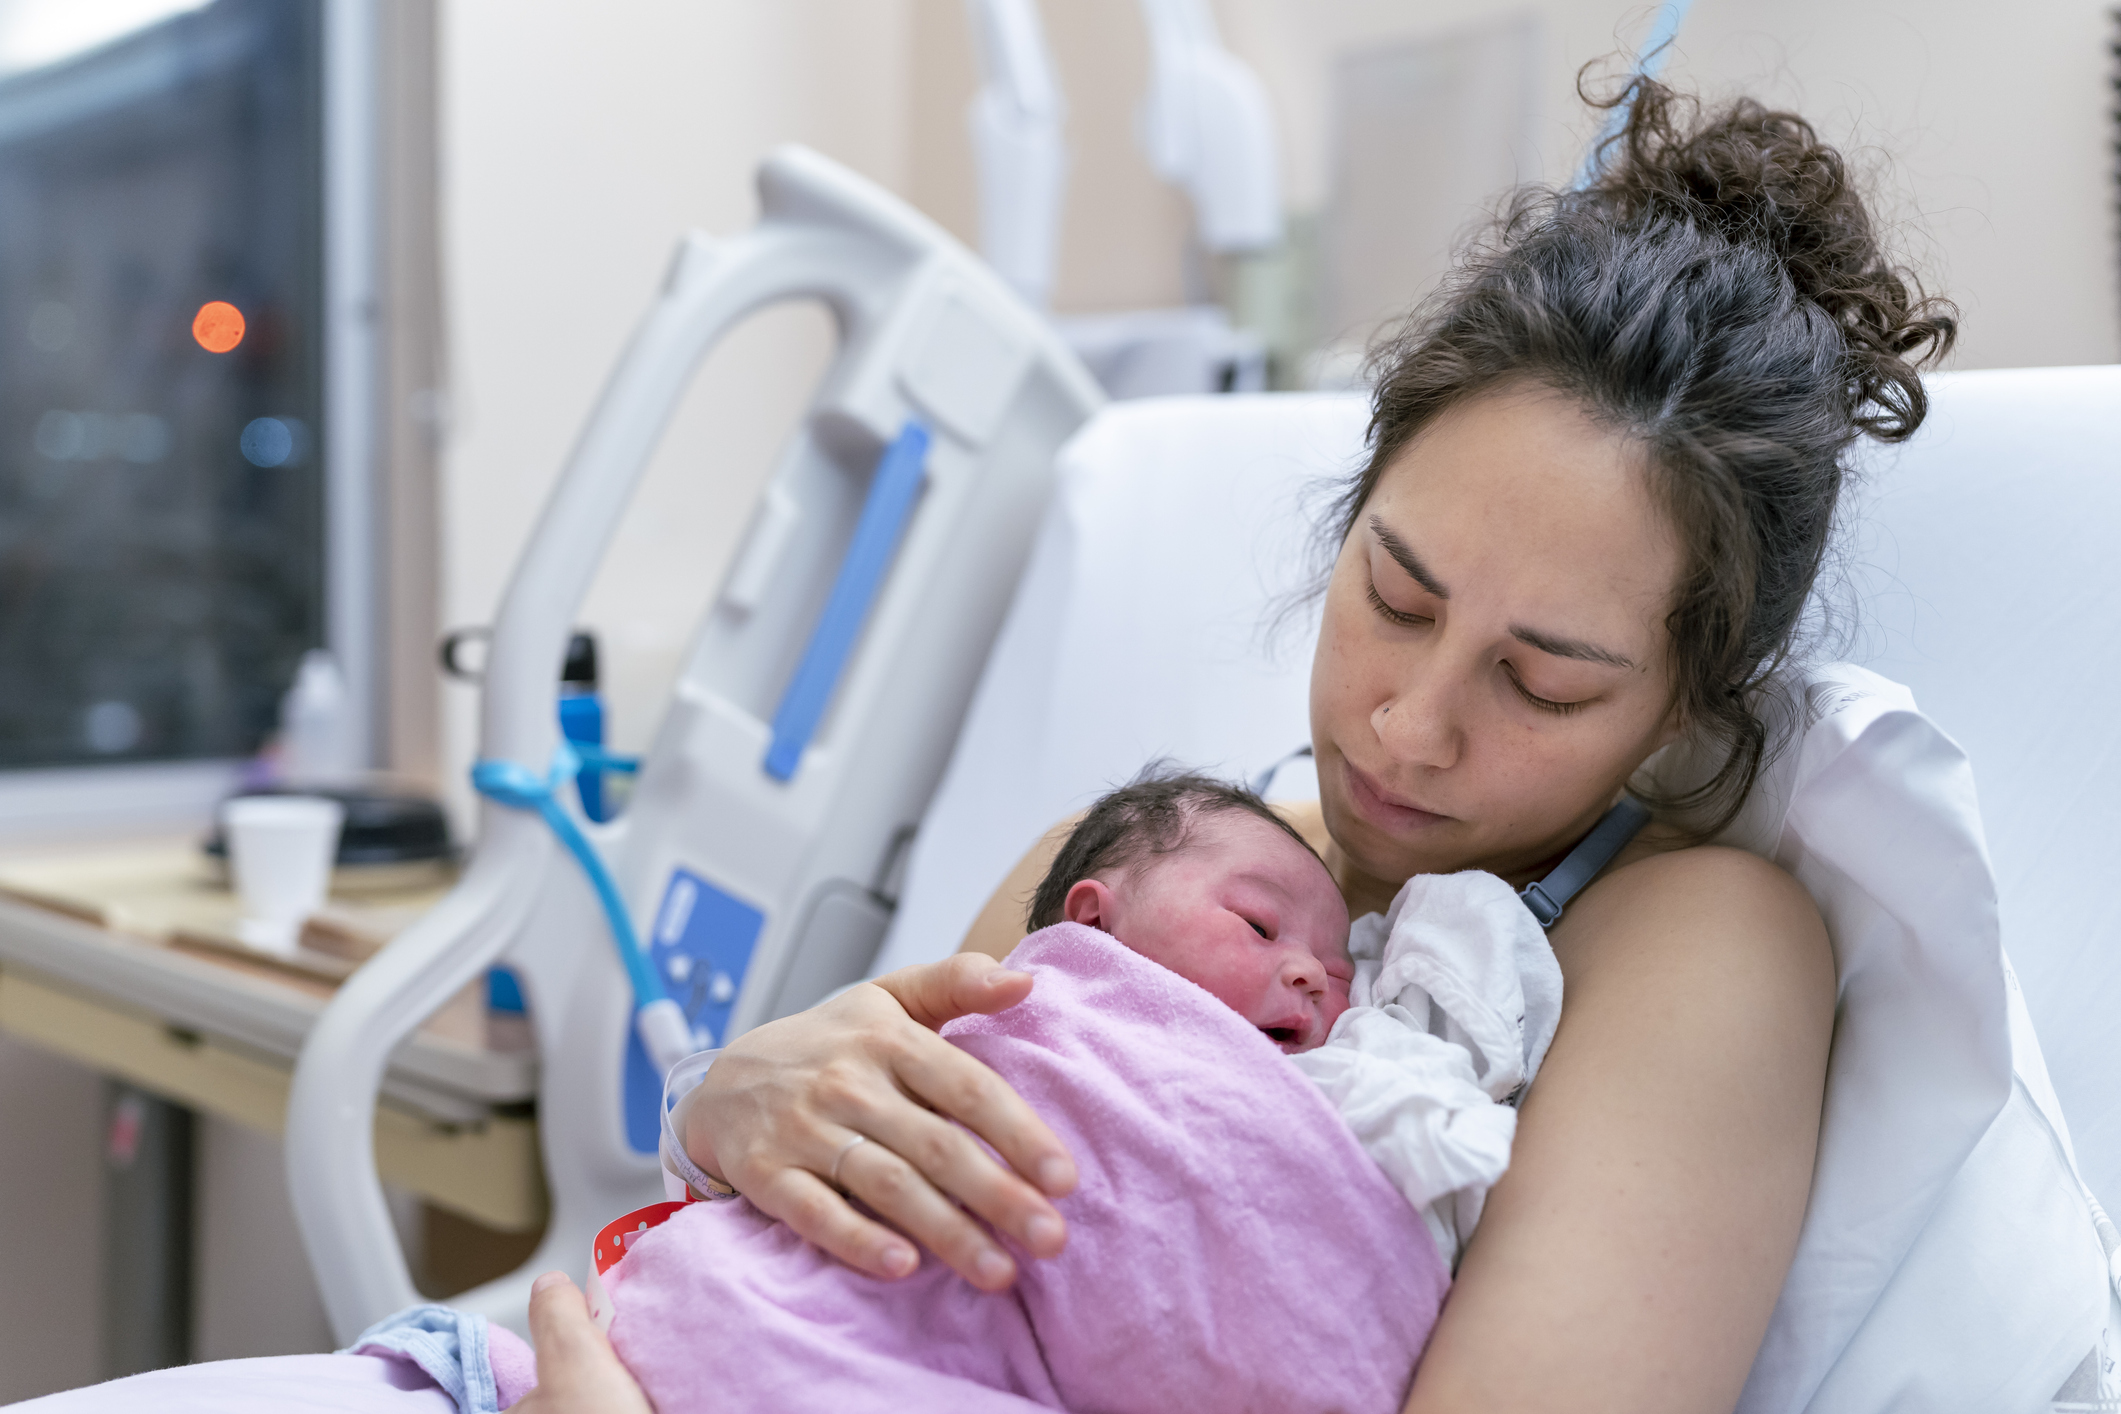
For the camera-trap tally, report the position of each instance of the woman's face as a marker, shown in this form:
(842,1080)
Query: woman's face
(1493,662)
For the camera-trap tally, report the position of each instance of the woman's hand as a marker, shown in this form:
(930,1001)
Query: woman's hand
(578,1373)
(788,1101)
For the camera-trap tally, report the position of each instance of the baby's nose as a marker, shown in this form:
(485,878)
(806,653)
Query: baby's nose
(1302,972)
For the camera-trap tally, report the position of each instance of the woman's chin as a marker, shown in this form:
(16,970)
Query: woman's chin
(1380,858)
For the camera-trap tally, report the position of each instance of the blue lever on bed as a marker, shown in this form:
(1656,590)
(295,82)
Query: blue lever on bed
(876,536)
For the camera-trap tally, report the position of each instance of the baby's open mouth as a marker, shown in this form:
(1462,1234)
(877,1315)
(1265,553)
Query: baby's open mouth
(1283,1035)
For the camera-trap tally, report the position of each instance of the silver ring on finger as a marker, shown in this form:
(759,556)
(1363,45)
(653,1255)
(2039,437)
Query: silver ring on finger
(841,1157)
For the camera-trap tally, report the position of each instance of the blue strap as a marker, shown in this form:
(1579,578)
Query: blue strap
(520,789)
(876,535)
(1593,852)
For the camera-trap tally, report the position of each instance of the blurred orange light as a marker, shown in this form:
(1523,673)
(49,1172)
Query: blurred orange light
(218,326)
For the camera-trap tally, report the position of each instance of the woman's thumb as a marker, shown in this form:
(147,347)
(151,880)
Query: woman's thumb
(559,1315)
(967,982)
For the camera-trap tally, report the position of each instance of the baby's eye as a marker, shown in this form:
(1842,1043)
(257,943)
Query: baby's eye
(1256,928)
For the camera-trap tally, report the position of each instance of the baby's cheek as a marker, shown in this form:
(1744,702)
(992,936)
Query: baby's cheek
(1335,1003)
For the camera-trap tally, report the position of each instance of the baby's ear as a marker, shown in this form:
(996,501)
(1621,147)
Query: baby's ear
(1089,903)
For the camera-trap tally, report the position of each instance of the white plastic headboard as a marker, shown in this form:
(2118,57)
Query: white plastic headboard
(1984,559)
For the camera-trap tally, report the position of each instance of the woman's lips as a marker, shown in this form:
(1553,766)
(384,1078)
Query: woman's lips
(1385,811)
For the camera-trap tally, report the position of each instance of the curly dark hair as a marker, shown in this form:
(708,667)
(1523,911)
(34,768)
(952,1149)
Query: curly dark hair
(1151,814)
(1719,295)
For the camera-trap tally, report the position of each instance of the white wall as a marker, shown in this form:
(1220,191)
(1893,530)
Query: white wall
(1994,119)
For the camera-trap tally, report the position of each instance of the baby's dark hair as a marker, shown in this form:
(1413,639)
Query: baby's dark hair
(1152,814)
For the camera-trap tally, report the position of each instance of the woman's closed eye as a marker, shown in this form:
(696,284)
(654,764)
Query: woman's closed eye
(1544,704)
(1391,615)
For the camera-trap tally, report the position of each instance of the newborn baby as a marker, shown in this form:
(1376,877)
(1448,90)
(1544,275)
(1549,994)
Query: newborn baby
(1455,991)
(1208,881)
(1236,1241)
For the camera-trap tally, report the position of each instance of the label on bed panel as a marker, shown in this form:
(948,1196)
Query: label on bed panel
(701,947)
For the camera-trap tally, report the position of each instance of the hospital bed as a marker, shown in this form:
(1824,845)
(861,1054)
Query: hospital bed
(1177,541)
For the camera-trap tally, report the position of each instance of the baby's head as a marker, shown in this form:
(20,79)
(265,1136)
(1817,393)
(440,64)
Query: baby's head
(1205,879)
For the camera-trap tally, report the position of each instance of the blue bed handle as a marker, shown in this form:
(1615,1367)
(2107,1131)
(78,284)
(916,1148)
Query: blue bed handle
(892,492)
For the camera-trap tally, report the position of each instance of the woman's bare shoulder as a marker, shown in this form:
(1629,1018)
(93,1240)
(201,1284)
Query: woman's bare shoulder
(1307,818)
(1000,924)
(1662,1160)
(1698,914)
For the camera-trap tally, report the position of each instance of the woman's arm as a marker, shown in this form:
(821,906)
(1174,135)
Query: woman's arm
(1630,1258)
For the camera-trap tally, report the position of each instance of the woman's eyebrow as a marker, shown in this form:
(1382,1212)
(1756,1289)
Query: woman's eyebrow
(1569,647)
(1560,647)
(1404,554)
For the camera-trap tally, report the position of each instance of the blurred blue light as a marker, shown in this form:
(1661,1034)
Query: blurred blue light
(271,441)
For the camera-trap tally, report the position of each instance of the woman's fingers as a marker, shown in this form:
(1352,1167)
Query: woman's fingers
(578,1372)
(783,1100)
(914,1172)
(559,1319)
(907,1199)
(955,1085)
(960,985)
(822,1216)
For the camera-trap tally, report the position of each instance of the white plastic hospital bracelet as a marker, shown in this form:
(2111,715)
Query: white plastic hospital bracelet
(683,1079)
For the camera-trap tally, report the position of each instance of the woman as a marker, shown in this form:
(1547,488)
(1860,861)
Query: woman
(1605,461)
(1604,464)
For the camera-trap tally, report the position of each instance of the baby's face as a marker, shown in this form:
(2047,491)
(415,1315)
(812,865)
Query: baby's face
(1242,910)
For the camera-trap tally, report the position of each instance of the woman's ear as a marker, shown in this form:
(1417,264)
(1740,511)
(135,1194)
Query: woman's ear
(1091,904)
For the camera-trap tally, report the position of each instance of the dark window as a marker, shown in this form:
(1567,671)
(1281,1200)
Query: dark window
(161,502)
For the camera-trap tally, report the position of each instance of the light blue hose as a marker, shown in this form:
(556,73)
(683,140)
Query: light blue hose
(506,783)
(1656,48)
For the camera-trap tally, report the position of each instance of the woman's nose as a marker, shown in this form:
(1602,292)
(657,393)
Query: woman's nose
(1420,726)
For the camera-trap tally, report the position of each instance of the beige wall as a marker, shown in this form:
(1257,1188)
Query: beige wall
(579,139)
(578,142)
(1994,118)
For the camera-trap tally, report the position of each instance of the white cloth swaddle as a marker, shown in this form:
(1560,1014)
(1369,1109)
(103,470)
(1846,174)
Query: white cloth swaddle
(1455,1002)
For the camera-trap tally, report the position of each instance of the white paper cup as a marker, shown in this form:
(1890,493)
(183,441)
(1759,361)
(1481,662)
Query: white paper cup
(280,850)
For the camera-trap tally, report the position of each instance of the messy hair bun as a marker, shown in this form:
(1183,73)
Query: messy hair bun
(1719,294)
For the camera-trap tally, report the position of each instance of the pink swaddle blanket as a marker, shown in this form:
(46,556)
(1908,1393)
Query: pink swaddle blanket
(1231,1247)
